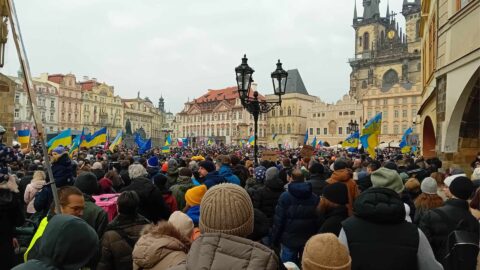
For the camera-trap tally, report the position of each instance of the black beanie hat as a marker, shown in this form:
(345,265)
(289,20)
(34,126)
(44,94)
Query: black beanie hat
(336,193)
(316,168)
(461,187)
(207,165)
(339,165)
(87,183)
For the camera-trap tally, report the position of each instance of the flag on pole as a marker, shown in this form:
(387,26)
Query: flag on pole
(351,140)
(64,138)
(370,133)
(166,146)
(305,139)
(118,140)
(251,140)
(24,136)
(314,143)
(99,137)
(404,147)
(147,146)
(75,145)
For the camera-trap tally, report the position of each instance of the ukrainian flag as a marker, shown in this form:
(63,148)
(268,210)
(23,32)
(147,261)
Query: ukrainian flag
(251,140)
(405,148)
(370,133)
(24,136)
(99,137)
(75,145)
(314,143)
(305,139)
(64,138)
(166,146)
(117,141)
(351,140)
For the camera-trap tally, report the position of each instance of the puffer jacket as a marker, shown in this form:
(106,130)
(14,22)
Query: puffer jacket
(30,193)
(295,219)
(318,181)
(172,176)
(178,190)
(266,198)
(345,176)
(160,247)
(62,170)
(218,251)
(226,172)
(116,250)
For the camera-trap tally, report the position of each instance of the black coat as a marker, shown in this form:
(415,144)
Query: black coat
(152,206)
(295,219)
(332,220)
(318,182)
(11,216)
(364,183)
(63,170)
(266,197)
(436,229)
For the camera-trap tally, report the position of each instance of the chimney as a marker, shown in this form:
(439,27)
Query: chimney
(85,78)
(254,86)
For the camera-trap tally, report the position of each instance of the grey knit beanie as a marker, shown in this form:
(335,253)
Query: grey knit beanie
(429,186)
(271,173)
(226,208)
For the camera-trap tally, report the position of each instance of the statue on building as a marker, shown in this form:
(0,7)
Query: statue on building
(128,127)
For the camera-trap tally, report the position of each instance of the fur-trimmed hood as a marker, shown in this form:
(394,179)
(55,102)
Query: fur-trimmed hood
(11,185)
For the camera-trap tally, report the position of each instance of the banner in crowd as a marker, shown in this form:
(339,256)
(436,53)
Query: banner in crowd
(64,139)
(352,140)
(370,133)
(117,141)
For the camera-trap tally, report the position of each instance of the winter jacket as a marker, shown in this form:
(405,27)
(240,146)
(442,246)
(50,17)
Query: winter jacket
(152,171)
(242,173)
(437,229)
(318,181)
(67,243)
(32,189)
(265,198)
(170,201)
(295,219)
(157,250)
(194,213)
(226,172)
(213,178)
(218,251)
(378,235)
(125,177)
(94,215)
(99,173)
(11,216)
(183,184)
(172,177)
(152,206)
(332,220)
(63,171)
(116,249)
(364,182)
(345,176)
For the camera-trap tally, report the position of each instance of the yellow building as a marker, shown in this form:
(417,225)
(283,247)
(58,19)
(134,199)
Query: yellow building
(288,123)
(101,108)
(386,67)
(329,122)
(450,111)
(7,107)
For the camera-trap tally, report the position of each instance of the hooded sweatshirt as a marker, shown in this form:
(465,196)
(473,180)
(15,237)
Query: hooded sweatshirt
(345,176)
(67,243)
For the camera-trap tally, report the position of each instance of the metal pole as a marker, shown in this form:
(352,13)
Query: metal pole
(32,95)
(255,146)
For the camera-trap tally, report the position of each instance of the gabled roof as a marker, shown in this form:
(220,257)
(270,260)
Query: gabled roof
(295,83)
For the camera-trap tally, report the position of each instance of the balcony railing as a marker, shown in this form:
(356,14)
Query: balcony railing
(361,56)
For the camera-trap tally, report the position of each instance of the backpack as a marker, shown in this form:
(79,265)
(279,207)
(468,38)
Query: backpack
(462,246)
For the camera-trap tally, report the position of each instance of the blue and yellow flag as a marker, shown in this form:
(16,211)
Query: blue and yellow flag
(64,138)
(251,140)
(99,137)
(75,144)
(351,140)
(117,141)
(314,143)
(370,133)
(305,139)
(166,146)
(24,136)
(404,147)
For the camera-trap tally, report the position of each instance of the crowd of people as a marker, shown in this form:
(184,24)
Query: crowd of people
(214,208)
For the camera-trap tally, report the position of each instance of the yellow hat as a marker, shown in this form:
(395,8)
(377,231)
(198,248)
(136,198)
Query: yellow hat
(194,195)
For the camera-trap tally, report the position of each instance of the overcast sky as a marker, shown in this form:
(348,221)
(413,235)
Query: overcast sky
(181,48)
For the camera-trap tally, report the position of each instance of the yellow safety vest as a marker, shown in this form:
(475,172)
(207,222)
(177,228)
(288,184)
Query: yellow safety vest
(38,234)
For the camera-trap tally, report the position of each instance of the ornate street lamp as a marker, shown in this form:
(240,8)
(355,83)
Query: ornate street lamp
(353,126)
(254,106)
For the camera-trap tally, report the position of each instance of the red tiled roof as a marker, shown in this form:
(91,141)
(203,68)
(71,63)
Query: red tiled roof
(88,85)
(229,93)
(56,78)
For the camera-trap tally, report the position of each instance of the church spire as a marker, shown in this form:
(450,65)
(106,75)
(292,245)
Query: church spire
(355,16)
(371,9)
(388,10)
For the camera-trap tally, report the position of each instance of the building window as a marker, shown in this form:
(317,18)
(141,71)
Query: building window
(240,115)
(318,131)
(280,129)
(63,117)
(404,100)
(273,113)
(366,41)
(17,98)
(385,102)
(360,41)
(17,112)
(352,112)
(340,113)
(397,100)
(395,113)
(311,131)
(414,100)
(385,114)
(340,130)
(273,129)
(323,114)
(414,112)
(395,129)
(385,129)
(369,114)
(404,113)
(289,129)
(325,130)
(281,111)
(404,127)
(289,111)
(51,116)
(364,84)
(377,102)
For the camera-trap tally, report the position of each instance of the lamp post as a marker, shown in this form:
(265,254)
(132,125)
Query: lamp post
(250,102)
(353,126)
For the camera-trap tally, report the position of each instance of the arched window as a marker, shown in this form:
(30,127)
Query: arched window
(289,111)
(280,129)
(364,84)
(273,129)
(382,37)
(389,79)
(273,113)
(281,111)
(289,129)
(366,41)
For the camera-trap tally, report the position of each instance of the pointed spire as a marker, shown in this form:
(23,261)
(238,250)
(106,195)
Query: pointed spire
(405,2)
(388,10)
(401,35)
(355,16)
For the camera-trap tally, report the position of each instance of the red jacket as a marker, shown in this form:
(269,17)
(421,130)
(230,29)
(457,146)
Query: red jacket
(170,201)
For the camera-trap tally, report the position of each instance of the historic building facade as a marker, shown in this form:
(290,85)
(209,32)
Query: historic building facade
(287,123)
(47,103)
(218,115)
(386,67)
(101,107)
(450,111)
(7,107)
(329,122)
